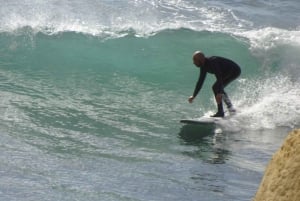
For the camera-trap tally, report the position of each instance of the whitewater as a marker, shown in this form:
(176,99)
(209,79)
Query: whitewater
(92,93)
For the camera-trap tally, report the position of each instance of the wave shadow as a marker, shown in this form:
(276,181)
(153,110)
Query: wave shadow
(210,145)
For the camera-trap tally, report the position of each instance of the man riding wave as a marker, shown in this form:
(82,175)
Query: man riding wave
(225,71)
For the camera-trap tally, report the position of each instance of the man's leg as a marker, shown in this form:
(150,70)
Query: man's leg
(235,74)
(228,103)
(220,112)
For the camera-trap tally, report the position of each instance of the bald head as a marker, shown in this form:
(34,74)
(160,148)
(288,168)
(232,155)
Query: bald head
(198,58)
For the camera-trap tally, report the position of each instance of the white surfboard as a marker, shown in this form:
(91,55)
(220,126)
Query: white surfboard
(201,120)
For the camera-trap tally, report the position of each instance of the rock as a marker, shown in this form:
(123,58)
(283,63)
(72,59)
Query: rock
(281,181)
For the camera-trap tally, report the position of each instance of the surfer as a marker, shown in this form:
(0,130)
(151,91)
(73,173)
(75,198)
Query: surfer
(225,71)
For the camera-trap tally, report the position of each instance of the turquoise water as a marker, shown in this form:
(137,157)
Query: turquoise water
(92,93)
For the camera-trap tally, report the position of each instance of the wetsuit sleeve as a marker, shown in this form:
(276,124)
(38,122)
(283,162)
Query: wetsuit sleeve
(200,82)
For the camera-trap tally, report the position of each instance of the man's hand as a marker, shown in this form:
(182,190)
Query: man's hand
(191,98)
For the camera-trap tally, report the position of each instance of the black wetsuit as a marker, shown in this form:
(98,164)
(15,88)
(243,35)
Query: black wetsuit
(224,69)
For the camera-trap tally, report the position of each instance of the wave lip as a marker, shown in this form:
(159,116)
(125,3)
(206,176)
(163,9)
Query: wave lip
(143,18)
(110,18)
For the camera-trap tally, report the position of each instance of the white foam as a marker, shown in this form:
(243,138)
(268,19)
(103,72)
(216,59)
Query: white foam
(105,17)
(116,19)
(270,37)
(266,104)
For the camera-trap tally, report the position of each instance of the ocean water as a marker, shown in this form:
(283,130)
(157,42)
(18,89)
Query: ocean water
(92,93)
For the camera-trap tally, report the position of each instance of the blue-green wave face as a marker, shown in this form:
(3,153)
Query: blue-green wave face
(148,79)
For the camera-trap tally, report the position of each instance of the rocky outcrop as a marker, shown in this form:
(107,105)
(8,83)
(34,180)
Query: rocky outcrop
(281,181)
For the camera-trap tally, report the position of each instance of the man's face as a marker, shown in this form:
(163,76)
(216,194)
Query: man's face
(197,62)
